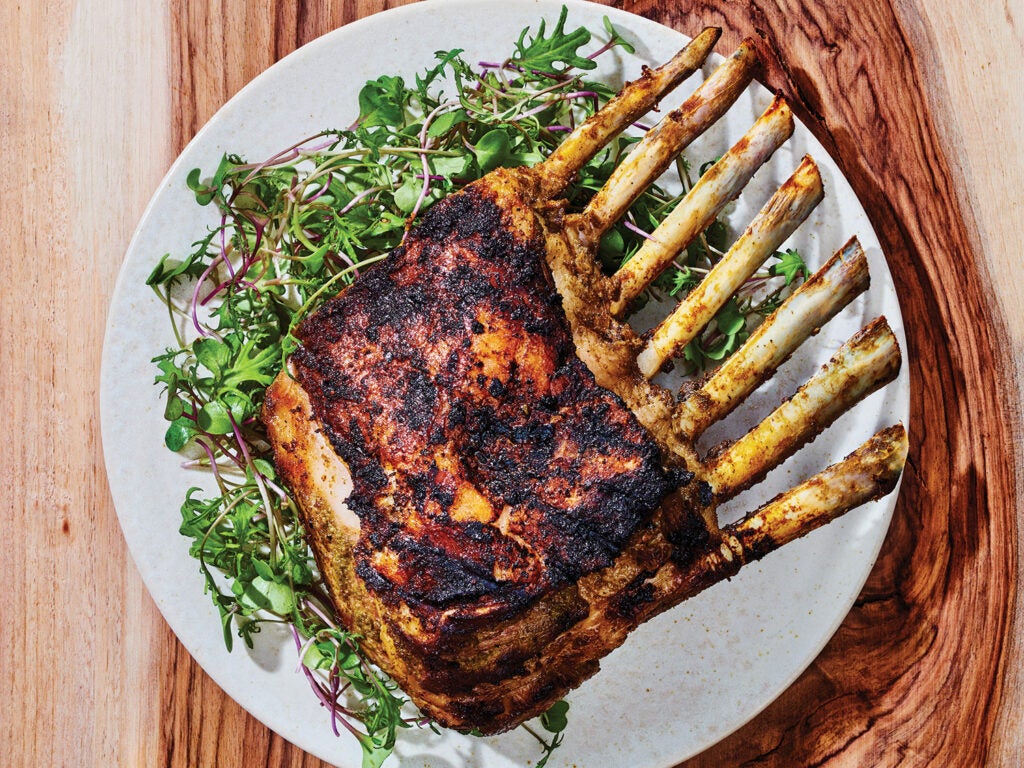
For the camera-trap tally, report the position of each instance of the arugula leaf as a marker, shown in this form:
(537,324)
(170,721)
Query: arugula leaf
(791,266)
(542,54)
(382,102)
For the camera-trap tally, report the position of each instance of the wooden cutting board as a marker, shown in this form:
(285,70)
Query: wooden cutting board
(925,671)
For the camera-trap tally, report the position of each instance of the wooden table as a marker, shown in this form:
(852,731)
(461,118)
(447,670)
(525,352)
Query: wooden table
(921,104)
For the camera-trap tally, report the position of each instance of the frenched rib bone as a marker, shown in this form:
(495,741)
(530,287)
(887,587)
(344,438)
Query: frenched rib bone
(495,489)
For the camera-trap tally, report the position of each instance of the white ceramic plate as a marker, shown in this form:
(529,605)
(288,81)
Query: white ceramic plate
(682,681)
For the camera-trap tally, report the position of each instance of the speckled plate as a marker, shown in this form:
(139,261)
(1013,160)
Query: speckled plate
(682,681)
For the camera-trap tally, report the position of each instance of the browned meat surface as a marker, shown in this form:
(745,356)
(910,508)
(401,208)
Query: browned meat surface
(488,467)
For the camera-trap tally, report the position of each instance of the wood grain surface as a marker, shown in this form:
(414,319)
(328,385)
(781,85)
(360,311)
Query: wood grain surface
(920,105)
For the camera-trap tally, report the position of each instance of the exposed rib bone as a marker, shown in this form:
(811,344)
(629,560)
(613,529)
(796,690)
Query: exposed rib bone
(867,361)
(703,203)
(779,218)
(668,138)
(812,305)
(868,473)
(633,101)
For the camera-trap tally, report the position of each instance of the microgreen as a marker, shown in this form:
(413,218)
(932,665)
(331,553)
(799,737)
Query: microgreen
(554,721)
(294,229)
(542,54)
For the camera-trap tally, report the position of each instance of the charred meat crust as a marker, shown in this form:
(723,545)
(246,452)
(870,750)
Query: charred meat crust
(508,510)
(488,467)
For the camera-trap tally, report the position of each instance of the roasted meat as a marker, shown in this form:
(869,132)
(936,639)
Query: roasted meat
(495,490)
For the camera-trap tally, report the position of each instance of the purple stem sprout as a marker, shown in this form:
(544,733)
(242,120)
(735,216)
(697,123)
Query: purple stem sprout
(293,152)
(634,228)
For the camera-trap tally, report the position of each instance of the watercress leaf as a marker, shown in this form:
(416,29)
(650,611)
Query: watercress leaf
(349,661)
(264,467)
(239,405)
(446,121)
(204,192)
(271,596)
(407,195)
(314,262)
(174,408)
(693,355)
(213,354)
(302,575)
(213,418)
(494,150)
(180,431)
(723,346)
(238,590)
(696,252)
(361,684)
(451,166)
(717,349)
(716,234)
(388,222)
(263,569)
(194,180)
(314,657)
(527,156)
(555,719)
(729,319)
(612,248)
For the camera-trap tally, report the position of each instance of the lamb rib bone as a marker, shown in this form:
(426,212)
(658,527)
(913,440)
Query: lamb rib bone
(625,108)
(663,143)
(813,304)
(779,218)
(482,625)
(702,204)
